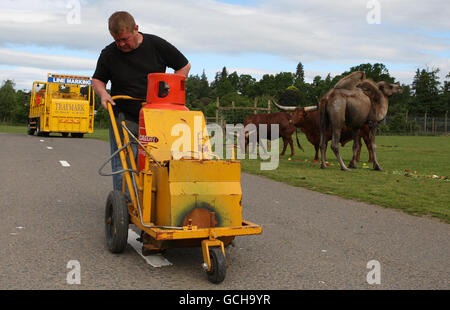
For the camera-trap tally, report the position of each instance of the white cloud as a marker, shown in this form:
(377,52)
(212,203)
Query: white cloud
(19,58)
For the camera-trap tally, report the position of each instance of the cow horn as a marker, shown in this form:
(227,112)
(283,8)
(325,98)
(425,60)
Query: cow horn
(310,108)
(284,107)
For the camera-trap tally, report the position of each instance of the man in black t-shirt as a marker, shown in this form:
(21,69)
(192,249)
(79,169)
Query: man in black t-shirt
(126,63)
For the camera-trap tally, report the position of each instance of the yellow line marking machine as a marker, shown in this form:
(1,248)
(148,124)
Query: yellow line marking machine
(180,193)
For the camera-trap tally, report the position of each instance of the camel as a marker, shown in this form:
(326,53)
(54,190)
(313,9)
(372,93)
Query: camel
(354,104)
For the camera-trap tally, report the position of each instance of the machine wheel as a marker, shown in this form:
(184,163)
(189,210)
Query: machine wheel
(77,135)
(218,265)
(65,134)
(116,222)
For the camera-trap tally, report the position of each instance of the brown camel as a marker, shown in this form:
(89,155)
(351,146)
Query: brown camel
(355,105)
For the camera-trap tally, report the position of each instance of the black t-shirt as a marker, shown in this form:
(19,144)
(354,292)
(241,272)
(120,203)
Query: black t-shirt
(128,71)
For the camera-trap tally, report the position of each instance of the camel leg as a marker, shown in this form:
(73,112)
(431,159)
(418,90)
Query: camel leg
(372,132)
(369,149)
(356,148)
(323,147)
(358,154)
(335,147)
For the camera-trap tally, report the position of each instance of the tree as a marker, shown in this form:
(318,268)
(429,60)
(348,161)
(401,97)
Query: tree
(300,73)
(377,72)
(246,85)
(426,92)
(290,97)
(7,100)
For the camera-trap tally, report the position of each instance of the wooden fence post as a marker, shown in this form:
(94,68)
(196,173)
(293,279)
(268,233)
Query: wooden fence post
(255,103)
(217,110)
(425,123)
(445,122)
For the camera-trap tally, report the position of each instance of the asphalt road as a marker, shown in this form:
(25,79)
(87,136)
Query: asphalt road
(52,214)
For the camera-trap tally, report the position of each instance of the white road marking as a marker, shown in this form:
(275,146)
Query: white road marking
(64,163)
(156,260)
(49,147)
(41,140)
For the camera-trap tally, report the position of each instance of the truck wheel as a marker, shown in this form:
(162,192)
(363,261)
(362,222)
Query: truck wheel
(65,134)
(77,135)
(116,222)
(30,130)
(38,128)
(218,266)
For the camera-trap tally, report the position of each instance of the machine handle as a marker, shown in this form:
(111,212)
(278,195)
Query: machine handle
(128,98)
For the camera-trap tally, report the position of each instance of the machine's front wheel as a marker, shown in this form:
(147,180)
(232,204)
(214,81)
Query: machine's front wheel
(116,222)
(218,265)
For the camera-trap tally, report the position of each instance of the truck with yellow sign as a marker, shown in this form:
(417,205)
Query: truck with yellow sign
(63,104)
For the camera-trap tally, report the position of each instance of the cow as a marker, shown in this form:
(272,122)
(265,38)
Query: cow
(286,128)
(308,123)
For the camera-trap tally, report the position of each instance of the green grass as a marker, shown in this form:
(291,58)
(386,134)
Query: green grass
(416,194)
(99,133)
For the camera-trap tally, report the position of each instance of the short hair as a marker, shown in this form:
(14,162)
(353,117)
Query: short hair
(120,21)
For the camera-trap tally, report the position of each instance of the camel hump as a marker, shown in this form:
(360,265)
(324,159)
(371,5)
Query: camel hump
(371,90)
(350,81)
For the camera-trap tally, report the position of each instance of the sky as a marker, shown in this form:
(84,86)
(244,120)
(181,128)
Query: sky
(247,36)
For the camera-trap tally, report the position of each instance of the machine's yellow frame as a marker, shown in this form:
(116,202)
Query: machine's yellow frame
(209,237)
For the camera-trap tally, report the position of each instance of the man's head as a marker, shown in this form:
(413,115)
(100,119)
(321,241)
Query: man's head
(124,30)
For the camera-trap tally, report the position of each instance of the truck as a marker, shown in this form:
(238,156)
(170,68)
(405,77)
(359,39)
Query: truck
(63,104)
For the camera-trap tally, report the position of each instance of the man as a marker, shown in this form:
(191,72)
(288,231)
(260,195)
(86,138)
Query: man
(126,63)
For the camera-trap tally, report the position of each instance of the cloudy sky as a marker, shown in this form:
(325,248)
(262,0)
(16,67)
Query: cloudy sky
(248,36)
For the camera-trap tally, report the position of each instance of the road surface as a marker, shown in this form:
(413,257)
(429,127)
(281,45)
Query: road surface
(52,224)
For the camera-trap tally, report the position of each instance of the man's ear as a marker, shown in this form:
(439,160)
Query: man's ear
(136,28)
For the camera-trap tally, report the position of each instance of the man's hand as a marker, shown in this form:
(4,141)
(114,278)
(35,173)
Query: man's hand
(185,70)
(100,89)
(105,99)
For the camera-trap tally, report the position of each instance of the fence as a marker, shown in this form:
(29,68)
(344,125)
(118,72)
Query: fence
(398,124)
(236,114)
(415,125)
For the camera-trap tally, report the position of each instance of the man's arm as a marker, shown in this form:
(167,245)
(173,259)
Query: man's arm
(185,70)
(100,89)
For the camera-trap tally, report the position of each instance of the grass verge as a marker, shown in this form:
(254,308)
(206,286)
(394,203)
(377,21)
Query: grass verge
(416,177)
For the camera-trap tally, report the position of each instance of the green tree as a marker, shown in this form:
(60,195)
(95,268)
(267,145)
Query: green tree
(426,92)
(246,85)
(290,97)
(300,73)
(7,100)
(377,72)
(21,108)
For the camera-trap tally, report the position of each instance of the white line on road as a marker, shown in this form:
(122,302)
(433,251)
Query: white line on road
(41,140)
(156,260)
(49,147)
(64,163)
